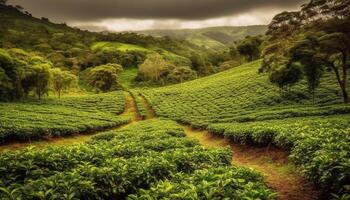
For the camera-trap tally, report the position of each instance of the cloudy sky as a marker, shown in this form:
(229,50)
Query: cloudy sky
(126,15)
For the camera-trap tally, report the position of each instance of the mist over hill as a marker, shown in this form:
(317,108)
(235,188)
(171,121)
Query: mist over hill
(211,37)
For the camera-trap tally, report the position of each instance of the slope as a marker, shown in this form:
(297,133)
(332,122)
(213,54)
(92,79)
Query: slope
(243,106)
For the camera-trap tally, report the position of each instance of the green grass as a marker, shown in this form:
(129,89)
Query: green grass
(117,46)
(243,106)
(59,117)
(125,164)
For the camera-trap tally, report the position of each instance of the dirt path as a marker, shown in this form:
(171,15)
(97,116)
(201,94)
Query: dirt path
(130,111)
(150,112)
(281,175)
(273,163)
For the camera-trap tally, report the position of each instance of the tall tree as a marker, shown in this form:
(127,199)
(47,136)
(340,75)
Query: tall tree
(38,76)
(329,22)
(250,47)
(336,54)
(62,80)
(154,67)
(104,77)
(286,75)
(306,52)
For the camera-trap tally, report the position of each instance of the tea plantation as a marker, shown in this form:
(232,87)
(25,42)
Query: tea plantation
(147,160)
(59,117)
(242,105)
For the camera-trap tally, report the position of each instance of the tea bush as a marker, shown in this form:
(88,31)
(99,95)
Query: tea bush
(70,115)
(209,184)
(242,105)
(241,94)
(320,146)
(140,106)
(116,164)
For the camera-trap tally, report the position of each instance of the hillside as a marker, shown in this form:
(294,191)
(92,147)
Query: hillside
(236,94)
(243,106)
(212,37)
(72,48)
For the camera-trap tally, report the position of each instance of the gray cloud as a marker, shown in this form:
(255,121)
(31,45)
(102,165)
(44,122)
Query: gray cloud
(92,10)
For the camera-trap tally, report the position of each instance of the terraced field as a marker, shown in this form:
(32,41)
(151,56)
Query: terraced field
(158,159)
(242,106)
(241,94)
(131,163)
(32,120)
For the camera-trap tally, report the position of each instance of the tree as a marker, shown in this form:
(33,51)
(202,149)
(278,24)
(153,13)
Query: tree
(5,85)
(328,21)
(181,74)
(335,51)
(38,79)
(286,75)
(284,24)
(62,80)
(11,74)
(250,48)
(306,52)
(325,9)
(154,67)
(197,61)
(104,77)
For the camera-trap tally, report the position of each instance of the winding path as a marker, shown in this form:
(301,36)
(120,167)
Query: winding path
(129,111)
(272,162)
(281,175)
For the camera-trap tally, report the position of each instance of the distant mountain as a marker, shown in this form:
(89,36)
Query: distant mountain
(212,37)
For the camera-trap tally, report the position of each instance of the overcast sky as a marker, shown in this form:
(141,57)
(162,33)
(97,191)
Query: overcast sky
(124,15)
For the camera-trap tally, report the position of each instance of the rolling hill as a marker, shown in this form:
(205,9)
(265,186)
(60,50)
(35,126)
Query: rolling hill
(212,37)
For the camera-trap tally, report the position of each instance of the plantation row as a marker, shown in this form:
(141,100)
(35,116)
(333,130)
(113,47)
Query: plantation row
(139,104)
(241,105)
(148,160)
(240,94)
(71,115)
(320,146)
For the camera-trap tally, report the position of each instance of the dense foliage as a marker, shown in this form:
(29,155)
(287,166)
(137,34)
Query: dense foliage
(317,37)
(22,73)
(119,163)
(159,71)
(76,50)
(104,77)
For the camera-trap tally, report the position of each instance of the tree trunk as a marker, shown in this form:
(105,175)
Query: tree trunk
(345,95)
(345,77)
(342,83)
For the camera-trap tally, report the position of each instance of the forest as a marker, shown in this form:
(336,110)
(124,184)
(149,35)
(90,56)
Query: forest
(242,112)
